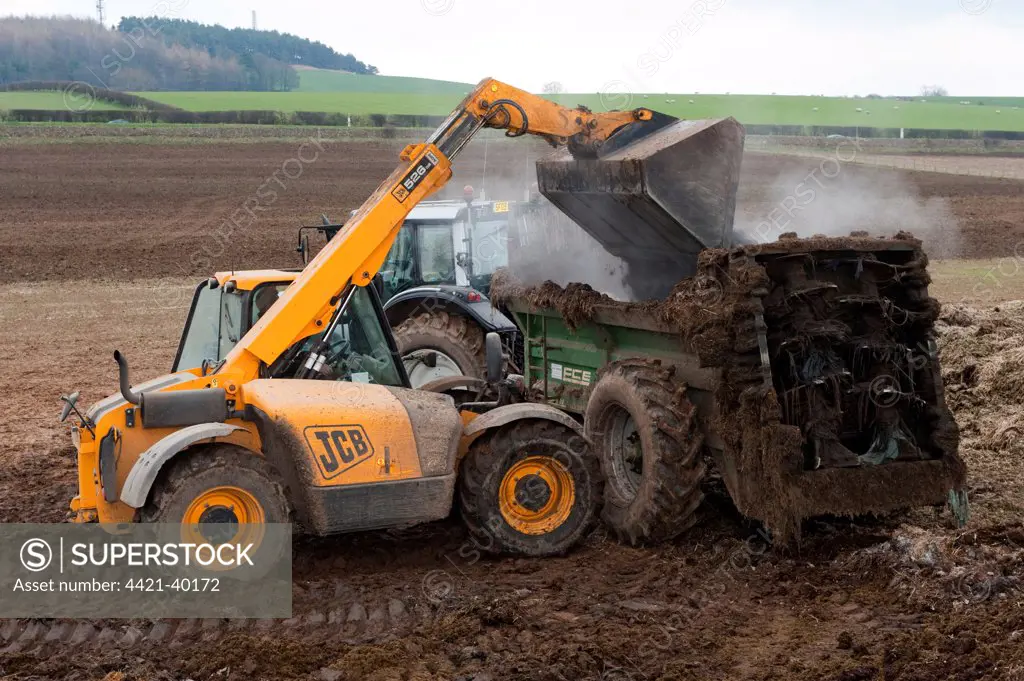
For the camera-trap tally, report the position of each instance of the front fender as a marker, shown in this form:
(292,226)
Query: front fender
(516,412)
(144,473)
(403,305)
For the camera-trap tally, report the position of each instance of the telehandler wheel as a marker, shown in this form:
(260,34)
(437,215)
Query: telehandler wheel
(438,345)
(212,491)
(532,488)
(646,435)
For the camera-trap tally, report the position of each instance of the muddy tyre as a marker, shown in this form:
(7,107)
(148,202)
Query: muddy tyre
(645,433)
(217,484)
(436,345)
(532,488)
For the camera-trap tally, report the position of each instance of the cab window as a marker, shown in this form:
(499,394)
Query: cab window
(490,246)
(214,327)
(399,269)
(357,350)
(263,297)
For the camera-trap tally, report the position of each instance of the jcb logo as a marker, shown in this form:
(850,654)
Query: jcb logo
(338,448)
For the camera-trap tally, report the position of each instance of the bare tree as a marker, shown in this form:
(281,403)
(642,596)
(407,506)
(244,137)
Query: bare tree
(934,91)
(553,88)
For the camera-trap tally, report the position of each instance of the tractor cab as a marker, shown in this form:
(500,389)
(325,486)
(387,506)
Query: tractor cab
(457,243)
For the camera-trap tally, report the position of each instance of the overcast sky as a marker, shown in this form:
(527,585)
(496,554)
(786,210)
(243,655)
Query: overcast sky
(972,47)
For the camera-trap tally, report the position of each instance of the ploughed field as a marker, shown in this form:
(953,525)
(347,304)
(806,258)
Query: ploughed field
(100,247)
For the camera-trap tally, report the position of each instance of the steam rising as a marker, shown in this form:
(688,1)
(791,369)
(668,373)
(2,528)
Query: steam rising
(549,245)
(545,244)
(835,199)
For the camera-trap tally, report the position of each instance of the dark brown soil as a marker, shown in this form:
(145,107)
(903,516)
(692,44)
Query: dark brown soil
(123,211)
(900,597)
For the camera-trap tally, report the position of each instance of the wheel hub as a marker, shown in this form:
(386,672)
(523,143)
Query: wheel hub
(623,440)
(218,524)
(532,492)
(215,515)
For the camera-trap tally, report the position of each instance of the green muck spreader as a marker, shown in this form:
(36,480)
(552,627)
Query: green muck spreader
(804,371)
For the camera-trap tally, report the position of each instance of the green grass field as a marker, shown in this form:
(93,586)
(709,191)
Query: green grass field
(748,109)
(323,80)
(334,91)
(984,101)
(830,111)
(50,101)
(344,102)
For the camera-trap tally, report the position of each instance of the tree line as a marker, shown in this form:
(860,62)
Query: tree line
(219,41)
(155,54)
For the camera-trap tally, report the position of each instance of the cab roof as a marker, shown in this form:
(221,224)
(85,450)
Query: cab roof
(449,210)
(247,280)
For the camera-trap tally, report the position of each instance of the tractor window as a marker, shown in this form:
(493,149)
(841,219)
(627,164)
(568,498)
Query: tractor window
(437,254)
(359,350)
(213,328)
(490,246)
(399,269)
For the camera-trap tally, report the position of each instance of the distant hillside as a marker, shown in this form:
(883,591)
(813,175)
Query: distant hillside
(219,41)
(323,80)
(66,49)
(158,54)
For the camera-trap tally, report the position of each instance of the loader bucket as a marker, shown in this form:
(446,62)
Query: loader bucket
(656,195)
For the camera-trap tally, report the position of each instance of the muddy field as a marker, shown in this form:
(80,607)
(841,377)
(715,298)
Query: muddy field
(122,211)
(99,246)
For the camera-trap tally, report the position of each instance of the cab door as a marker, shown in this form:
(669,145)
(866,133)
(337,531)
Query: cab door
(363,450)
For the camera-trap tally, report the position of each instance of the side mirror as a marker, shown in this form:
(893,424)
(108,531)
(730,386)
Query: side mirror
(495,357)
(303,248)
(69,403)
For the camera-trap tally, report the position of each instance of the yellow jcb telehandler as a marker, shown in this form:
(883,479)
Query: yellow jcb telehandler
(308,416)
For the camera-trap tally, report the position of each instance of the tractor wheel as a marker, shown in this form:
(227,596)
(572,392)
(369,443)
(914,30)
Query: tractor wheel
(532,488)
(218,494)
(437,345)
(646,435)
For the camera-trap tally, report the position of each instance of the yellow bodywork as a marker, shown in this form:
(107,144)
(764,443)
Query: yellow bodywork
(90,505)
(341,429)
(247,280)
